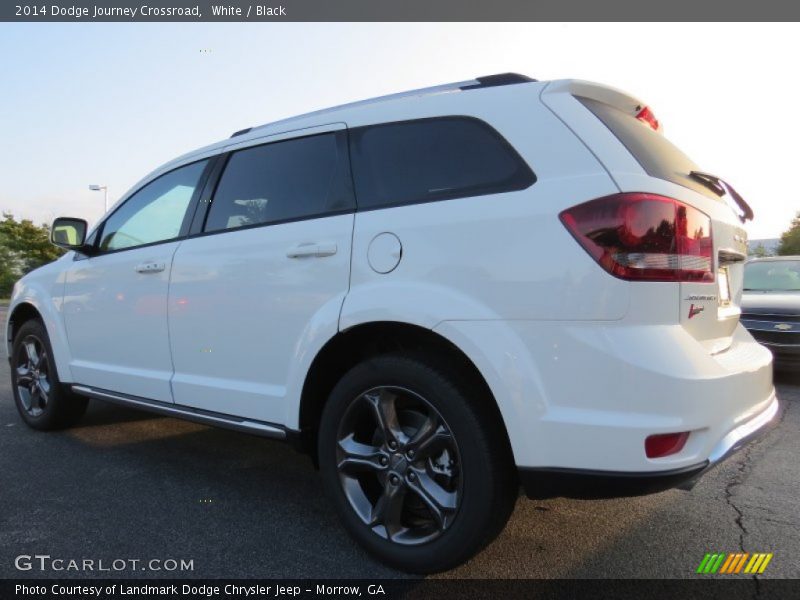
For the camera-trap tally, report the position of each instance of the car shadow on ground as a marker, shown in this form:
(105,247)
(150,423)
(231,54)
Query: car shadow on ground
(128,483)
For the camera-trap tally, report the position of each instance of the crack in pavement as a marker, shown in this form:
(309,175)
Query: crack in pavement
(736,481)
(744,466)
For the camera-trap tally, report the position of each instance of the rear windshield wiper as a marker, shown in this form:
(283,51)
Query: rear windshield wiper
(720,187)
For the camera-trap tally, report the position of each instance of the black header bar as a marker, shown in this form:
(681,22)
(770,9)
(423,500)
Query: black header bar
(399,10)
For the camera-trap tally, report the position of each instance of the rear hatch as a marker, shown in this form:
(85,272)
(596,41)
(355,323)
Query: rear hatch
(627,138)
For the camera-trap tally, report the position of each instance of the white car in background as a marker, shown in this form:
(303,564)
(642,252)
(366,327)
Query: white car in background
(440,295)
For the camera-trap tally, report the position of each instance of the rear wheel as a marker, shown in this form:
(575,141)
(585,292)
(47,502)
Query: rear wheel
(41,400)
(418,467)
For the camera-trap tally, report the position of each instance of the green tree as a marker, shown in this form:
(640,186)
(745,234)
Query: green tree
(23,247)
(790,240)
(759,251)
(10,270)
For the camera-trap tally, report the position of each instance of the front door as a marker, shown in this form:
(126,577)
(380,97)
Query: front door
(115,302)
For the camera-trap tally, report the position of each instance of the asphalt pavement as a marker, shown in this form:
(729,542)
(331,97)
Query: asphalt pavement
(126,485)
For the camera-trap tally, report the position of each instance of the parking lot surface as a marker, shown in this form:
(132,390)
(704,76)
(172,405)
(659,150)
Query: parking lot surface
(129,485)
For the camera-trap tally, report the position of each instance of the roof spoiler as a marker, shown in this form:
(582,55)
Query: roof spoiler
(605,94)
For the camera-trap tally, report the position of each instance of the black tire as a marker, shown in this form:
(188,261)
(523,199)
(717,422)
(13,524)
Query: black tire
(479,478)
(42,401)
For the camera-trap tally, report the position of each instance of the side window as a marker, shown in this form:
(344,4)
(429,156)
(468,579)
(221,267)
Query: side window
(155,213)
(282,181)
(433,159)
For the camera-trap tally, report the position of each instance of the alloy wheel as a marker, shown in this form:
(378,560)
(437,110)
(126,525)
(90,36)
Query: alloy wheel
(399,465)
(32,376)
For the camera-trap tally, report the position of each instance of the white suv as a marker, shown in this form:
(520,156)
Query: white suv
(440,295)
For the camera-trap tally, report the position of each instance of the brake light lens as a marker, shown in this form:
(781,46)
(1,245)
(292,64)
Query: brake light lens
(646,116)
(665,444)
(644,237)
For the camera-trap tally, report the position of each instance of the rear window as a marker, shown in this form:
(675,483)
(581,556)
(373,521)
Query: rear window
(656,154)
(433,159)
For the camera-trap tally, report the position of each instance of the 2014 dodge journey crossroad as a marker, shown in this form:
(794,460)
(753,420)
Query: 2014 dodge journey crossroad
(441,295)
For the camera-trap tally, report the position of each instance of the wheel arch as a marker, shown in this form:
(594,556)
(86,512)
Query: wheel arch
(22,312)
(351,346)
(29,307)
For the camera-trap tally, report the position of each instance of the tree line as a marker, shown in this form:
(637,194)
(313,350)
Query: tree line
(790,239)
(23,247)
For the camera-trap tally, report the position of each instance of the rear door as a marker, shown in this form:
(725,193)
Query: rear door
(267,273)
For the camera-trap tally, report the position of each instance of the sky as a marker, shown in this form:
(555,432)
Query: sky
(99,103)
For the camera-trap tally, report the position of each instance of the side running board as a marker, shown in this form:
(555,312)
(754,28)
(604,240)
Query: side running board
(188,413)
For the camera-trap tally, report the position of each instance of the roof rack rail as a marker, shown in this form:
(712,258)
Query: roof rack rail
(496,80)
(485,81)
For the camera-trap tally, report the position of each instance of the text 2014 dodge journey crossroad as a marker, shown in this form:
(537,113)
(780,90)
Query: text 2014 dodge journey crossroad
(441,295)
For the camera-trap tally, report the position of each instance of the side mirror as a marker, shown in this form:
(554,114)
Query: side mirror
(69,233)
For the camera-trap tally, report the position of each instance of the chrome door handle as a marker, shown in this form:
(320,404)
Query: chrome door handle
(150,267)
(310,249)
(326,249)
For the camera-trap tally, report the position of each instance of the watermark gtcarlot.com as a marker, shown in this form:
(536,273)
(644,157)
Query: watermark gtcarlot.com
(47,563)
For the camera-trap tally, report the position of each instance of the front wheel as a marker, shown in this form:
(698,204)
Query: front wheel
(416,462)
(41,400)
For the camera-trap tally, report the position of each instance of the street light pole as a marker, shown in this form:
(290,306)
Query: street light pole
(97,188)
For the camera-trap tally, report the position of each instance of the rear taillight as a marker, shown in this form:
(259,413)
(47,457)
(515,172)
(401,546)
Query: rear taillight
(644,237)
(646,116)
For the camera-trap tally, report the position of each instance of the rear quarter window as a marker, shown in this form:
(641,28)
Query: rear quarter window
(424,160)
(656,154)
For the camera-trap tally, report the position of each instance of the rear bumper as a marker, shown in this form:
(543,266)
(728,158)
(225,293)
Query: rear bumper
(585,484)
(541,483)
(582,397)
